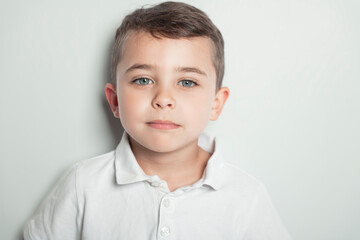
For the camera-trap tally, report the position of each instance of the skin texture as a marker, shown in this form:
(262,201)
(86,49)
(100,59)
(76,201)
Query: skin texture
(165,96)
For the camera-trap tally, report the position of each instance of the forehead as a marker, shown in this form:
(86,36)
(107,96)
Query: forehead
(143,48)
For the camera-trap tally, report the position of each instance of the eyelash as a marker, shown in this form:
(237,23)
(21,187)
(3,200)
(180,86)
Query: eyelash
(193,83)
(137,81)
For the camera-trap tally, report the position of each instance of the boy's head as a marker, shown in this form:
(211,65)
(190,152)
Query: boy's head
(170,20)
(167,64)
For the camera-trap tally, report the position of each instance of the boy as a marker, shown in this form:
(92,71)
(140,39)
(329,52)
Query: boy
(165,180)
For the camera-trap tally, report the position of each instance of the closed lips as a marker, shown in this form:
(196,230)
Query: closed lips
(158,124)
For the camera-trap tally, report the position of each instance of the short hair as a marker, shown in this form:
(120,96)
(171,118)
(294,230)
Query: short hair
(171,20)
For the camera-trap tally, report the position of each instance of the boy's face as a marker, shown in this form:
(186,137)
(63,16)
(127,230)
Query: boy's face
(165,92)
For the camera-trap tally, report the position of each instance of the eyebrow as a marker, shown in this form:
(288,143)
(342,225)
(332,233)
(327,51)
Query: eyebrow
(140,66)
(191,69)
(178,69)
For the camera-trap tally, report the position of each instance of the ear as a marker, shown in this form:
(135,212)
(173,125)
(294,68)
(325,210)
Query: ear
(111,96)
(219,102)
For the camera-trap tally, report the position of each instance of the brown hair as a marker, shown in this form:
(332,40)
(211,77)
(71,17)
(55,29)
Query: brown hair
(171,20)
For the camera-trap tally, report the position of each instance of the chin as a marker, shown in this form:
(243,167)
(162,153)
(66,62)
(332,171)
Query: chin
(161,146)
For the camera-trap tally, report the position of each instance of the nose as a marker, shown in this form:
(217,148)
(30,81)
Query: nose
(163,99)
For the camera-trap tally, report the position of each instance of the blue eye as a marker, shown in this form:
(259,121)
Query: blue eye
(187,83)
(143,81)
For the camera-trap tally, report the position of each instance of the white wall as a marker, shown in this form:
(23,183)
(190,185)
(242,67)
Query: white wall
(292,119)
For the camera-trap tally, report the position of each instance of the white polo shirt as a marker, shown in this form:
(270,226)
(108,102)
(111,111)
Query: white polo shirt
(110,197)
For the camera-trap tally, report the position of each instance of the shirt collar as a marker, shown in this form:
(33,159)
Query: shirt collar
(129,171)
(126,167)
(213,174)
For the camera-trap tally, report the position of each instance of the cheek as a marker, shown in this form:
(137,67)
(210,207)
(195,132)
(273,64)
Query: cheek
(198,108)
(130,105)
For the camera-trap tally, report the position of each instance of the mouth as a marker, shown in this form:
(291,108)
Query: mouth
(165,125)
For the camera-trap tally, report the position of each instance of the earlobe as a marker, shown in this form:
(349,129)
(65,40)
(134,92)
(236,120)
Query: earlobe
(111,96)
(219,102)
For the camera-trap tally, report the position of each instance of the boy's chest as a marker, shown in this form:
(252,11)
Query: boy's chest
(144,212)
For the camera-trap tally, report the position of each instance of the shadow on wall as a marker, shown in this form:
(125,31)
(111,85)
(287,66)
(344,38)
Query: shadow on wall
(20,234)
(114,125)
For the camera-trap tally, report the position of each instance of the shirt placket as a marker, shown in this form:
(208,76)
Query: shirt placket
(166,228)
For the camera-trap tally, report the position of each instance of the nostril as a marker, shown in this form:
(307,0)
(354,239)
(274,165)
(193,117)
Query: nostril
(162,103)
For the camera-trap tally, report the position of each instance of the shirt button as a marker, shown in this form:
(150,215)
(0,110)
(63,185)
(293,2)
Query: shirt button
(155,184)
(165,231)
(166,202)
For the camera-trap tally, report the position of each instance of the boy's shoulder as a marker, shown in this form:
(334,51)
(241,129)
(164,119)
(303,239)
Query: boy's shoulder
(96,161)
(93,168)
(239,179)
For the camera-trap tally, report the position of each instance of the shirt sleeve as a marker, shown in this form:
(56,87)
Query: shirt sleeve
(265,223)
(58,215)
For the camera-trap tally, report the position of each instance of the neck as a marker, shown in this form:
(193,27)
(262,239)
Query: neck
(178,168)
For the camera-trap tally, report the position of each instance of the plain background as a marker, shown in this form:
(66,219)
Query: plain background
(292,119)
